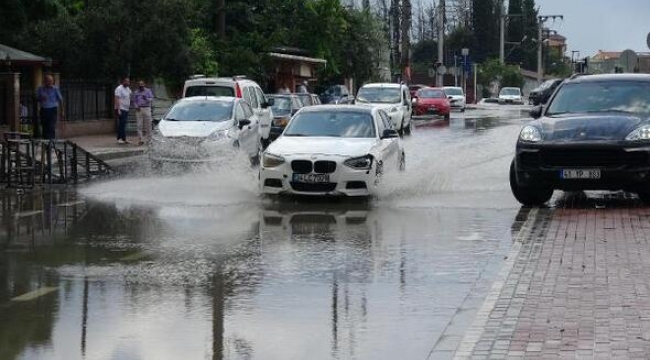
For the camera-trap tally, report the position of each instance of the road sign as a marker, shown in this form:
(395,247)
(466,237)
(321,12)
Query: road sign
(628,60)
(442,69)
(464,51)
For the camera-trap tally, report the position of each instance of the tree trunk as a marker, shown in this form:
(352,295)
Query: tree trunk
(406,40)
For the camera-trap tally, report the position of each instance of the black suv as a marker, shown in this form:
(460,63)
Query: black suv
(542,93)
(336,94)
(594,134)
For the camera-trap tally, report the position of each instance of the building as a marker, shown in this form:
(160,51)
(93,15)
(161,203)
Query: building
(608,62)
(291,67)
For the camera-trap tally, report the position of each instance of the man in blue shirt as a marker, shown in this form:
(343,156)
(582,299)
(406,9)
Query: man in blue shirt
(49,97)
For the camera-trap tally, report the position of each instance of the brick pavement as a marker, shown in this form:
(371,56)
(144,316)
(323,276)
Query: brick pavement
(579,288)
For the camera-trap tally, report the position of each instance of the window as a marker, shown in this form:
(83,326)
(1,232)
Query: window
(209,91)
(239,112)
(250,97)
(380,124)
(261,99)
(385,120)
(248,112)
(200,111)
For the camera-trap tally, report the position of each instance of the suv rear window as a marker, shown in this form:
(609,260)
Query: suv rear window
(209,90)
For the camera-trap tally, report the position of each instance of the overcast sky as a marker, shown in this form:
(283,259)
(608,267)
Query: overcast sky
(592,25)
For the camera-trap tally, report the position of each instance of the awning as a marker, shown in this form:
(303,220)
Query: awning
(19,55)
(297,58)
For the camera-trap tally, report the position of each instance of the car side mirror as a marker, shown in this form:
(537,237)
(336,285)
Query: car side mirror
(389,134)
(244,122)
(536,112)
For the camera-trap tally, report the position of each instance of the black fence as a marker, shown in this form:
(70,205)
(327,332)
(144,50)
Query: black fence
(87,100)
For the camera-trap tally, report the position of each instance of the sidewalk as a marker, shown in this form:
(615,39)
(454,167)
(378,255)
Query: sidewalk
(576,286)
(105,146)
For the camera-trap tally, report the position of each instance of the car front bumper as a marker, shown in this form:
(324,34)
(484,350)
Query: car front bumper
(343,181)
(620,167)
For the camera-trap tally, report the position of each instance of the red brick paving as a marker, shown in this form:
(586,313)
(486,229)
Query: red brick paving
(579,289)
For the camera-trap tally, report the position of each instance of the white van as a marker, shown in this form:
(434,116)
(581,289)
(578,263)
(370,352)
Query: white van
(394,99)
(236,86)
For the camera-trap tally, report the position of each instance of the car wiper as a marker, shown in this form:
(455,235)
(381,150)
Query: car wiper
(296,135)
(609,111)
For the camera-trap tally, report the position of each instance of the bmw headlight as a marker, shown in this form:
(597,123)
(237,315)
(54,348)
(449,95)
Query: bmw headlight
(217,135)
(271,160)
(530,134)
(359,163)
(639,134)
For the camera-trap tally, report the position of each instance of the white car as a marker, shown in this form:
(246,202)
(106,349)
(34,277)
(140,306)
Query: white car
(205,129)
(456,97)
(394,99)
(236,86)
(510,95)
(332,150)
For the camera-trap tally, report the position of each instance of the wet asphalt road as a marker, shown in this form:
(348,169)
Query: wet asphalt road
(198,266)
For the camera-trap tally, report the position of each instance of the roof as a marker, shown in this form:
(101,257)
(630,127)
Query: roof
(297,58)
(384,85)
(610,77)
(208,98)
(19,55)
(606,55)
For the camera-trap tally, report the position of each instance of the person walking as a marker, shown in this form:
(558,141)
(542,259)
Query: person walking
(143,99)
(122,105)
(49,97)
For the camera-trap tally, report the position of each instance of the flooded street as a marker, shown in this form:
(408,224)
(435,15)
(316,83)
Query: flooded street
(199,266)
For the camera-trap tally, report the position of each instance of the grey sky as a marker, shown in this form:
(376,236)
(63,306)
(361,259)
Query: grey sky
(592,25)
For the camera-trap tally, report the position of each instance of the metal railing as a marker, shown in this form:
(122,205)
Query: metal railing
(26,162)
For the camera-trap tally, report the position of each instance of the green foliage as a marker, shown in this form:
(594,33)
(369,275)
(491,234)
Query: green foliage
(203,57)
(485,19)
(493,71)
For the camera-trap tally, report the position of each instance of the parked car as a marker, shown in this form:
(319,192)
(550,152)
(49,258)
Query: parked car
(593,135)
(332,150)
(456,97)
(205,129)
(237,86)
(284,107)
(542,93)
(395,99)
(510,95)
(431,101)
(336,94)
(308,99)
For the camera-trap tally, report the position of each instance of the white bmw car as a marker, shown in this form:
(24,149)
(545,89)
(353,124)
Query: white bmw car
(332,150)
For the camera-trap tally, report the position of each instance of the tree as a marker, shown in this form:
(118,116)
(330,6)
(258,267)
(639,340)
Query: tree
(485,22)
(529,55)
(515,31)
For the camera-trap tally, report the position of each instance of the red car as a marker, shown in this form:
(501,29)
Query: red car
(431,101)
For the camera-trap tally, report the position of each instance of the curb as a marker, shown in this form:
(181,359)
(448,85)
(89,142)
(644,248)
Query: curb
(113,155)
(475,331)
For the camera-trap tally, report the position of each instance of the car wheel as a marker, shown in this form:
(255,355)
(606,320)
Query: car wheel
(407,129)
(401,128)
(528,195)
(402,163)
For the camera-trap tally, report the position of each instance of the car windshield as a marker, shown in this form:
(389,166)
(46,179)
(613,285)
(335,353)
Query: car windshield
(200,111)
(332,123)
(306,99)
(379,95)
(281,104)
(212,90)
(547,84)
(454,91)
(431,94)
(610,96)
(332,90)
(510,91)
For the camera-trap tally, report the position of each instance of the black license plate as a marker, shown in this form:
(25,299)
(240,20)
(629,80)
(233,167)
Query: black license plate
(311,178)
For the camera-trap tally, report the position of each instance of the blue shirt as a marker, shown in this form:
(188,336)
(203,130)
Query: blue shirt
(49,97)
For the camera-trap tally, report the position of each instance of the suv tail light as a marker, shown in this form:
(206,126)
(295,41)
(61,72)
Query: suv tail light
(237,90)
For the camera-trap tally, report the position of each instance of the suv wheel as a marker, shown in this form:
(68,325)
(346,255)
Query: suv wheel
(528,195)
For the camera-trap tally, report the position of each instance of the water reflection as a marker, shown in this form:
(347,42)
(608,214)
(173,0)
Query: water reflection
(270,281)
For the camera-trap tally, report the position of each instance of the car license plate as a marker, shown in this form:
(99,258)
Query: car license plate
(311,178)
(580,174)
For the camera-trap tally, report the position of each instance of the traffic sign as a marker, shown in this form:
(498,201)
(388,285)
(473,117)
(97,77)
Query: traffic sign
(442,69)
(464,51)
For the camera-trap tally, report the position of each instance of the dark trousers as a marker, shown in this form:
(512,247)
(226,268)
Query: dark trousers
(121,125)
(48,122)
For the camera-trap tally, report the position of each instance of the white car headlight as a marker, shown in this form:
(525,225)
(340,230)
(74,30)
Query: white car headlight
(271,160)
(217,135)
(359,163)
(641,133)
(531,134)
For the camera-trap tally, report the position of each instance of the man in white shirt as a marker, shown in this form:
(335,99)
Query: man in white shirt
(122,105)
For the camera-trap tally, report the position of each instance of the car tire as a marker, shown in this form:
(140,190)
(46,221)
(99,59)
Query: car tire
(401,128)
(402,163)
(528,195)
(255,160)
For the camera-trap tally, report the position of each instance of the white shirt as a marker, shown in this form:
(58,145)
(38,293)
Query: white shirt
(123,94)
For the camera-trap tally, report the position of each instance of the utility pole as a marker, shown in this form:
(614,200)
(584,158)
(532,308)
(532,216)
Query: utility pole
(441,42)
(502,33)
(406,41)
(540,42)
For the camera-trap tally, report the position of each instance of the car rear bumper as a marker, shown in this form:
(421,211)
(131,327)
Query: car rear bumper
(620,168)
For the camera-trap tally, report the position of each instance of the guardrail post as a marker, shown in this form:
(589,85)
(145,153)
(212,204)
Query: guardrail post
(74,164)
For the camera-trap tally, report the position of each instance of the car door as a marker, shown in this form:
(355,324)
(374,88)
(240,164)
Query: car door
(264,113)
(408,106)
(389,147)
(247,134)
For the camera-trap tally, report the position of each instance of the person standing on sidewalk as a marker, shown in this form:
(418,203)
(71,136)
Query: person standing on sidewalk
(122,105)
(49,97)
(143,99)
